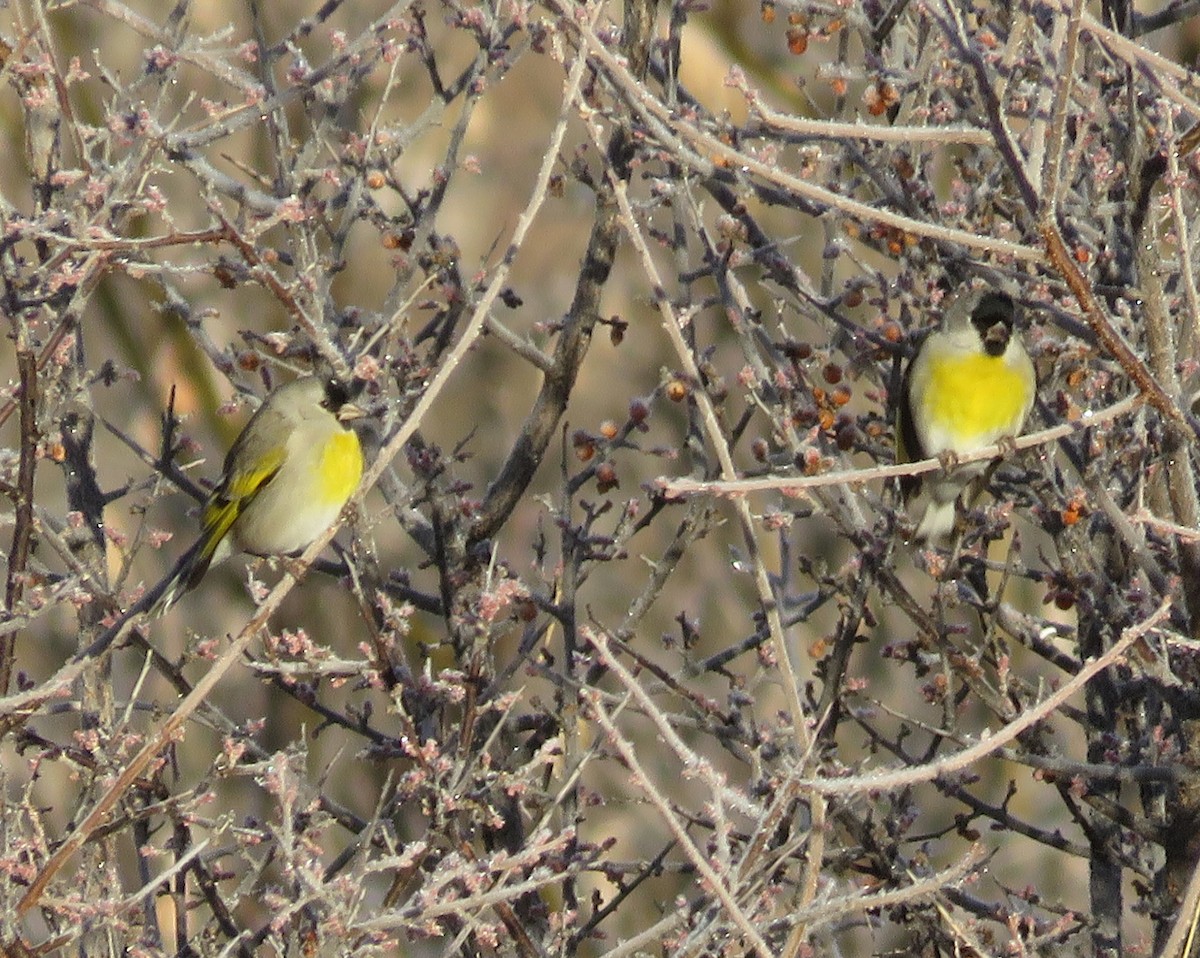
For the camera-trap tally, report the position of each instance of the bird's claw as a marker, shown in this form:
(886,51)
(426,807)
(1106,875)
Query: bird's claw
(949,460)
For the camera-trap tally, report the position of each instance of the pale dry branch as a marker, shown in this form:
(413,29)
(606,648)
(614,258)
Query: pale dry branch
(794,485)
(992,741)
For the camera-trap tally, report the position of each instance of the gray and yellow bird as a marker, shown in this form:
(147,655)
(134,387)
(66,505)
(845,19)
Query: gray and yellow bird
(970,385)
(286,477)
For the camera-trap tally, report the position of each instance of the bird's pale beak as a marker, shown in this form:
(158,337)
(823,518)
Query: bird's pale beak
(348,412)
(997,337)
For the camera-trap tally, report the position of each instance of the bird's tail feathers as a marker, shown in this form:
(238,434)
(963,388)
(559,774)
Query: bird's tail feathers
(186,574)
(157,601)
(933,505)
(937,521)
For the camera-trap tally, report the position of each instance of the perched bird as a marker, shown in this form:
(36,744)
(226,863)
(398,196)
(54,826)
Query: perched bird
(286,478)
(970,385)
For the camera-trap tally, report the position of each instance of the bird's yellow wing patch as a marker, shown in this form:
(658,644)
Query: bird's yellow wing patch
(236,492)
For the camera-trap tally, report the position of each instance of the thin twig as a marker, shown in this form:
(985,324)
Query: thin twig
(705,145)
(18,554)
(717,884)
(1058,126)
(832,130)
(886,781)
(794,484)
(1112,340)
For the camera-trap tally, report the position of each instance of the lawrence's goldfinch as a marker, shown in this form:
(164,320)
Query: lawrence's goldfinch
(970,385)
(286,478)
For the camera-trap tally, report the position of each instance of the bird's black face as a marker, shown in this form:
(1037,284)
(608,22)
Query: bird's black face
(994,319)
(336,395)
(339,399)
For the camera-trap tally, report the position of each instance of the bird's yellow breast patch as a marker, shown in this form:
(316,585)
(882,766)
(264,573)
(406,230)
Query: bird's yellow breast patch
(341,467)
(973,401)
